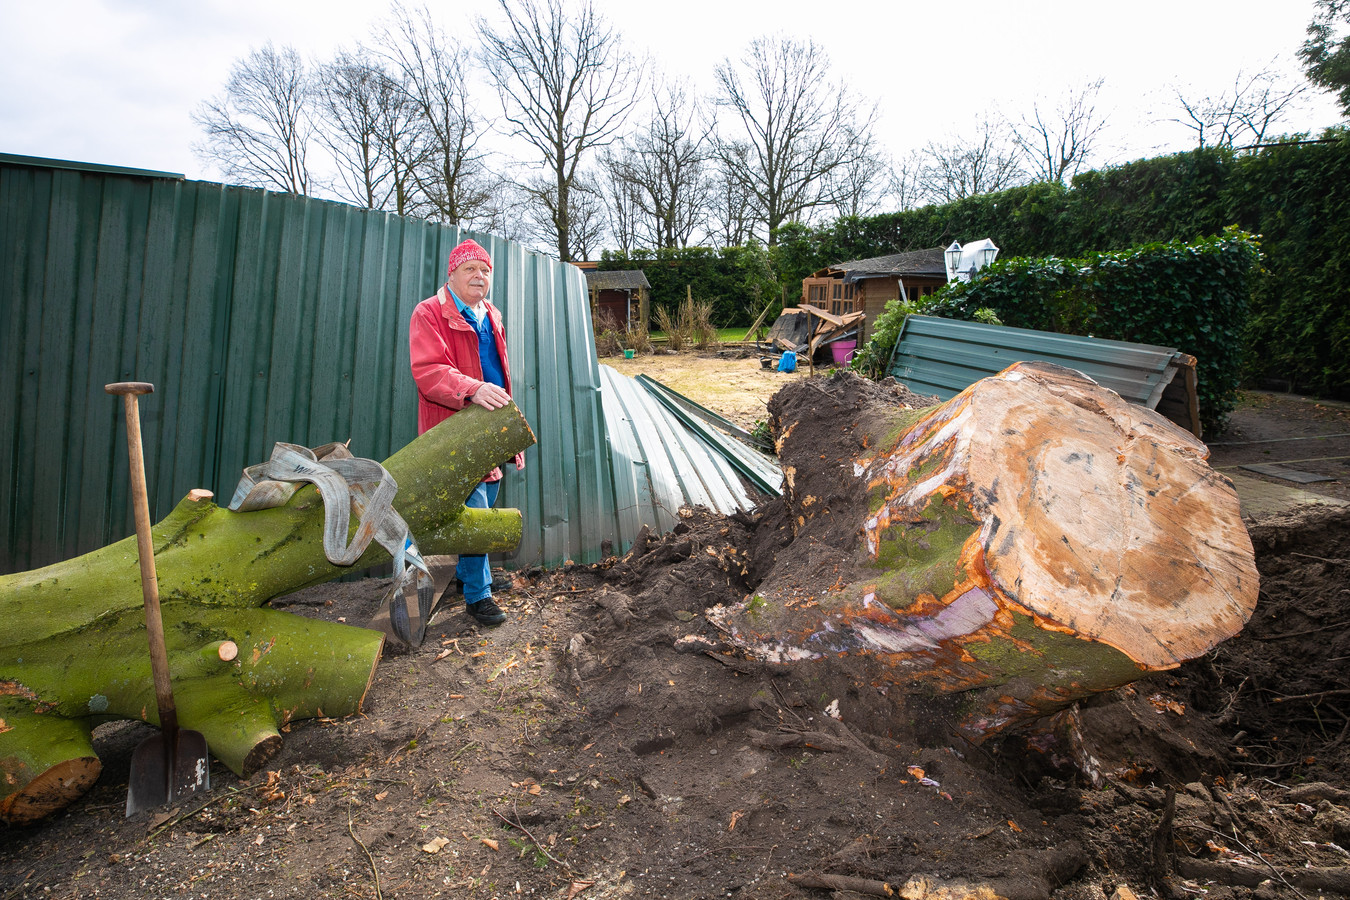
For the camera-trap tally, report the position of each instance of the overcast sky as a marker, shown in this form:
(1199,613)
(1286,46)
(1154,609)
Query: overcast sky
(114,81)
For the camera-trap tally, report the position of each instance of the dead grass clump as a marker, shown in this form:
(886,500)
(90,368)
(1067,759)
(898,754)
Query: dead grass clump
(639,339)
(692,327)
(701,328)
(612,339)
(676,338)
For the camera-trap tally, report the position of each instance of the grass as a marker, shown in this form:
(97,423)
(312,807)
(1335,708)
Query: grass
(723,334)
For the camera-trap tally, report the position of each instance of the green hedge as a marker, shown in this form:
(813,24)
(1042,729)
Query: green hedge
(1190,296)
(1295,196)
(737,281)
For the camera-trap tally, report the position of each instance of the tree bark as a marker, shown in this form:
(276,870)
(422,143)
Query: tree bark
(73,650)
(1030,542)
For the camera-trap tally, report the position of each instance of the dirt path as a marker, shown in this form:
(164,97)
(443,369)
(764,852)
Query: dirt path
(575,752)
(1294,433)
(738,388)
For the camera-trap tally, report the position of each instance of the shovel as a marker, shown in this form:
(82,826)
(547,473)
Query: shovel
(173,763)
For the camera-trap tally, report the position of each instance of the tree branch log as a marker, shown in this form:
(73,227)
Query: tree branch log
(72,635)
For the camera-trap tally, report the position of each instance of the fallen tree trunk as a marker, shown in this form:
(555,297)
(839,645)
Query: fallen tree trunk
(72,635)
(1028,543)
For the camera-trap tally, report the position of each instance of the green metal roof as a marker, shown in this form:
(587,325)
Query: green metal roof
(945,356)
(15,159)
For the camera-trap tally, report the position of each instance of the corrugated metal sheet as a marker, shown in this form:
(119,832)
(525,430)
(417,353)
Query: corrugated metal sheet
(263,317)
(729,439)
(945,356)
(660,465)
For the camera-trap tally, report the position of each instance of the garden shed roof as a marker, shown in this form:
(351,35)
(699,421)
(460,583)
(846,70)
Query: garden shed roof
(914,262)
(617,280)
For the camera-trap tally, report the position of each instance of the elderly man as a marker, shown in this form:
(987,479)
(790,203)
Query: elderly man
(459,357)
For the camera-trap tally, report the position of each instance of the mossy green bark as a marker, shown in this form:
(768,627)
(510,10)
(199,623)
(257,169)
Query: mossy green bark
(73,649)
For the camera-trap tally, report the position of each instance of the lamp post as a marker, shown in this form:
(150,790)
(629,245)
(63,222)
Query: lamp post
(953,255)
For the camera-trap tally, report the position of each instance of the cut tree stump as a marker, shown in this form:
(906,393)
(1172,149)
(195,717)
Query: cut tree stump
(1030,542)
(73,650)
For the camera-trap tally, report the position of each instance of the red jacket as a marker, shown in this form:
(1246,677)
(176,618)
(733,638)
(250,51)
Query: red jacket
(445,364)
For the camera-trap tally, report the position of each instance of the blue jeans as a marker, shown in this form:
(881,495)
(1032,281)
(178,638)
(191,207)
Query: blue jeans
(474,570)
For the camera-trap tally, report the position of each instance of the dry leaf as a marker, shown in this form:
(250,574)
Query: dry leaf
(381,795)
(1014,826)
(491,844)
(160,818)
(735,817)
(577,887)
(435,846)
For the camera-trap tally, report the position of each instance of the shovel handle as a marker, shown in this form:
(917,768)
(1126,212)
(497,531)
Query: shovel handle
(145,551)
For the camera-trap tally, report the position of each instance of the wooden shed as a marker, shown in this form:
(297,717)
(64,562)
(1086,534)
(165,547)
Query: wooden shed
(619,299)
(865,285)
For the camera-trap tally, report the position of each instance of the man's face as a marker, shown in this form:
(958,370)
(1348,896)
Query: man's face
(471,282)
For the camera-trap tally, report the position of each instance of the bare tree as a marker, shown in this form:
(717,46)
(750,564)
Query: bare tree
(369,128)
(566,87)
(858,186)
(954,170)
(621,198)
(259,131)
(730,205)
(1059,143)
(585,213)
(1243,115)
(1326,54)
(447,167)
(796,129)
(902,182)
(665,165)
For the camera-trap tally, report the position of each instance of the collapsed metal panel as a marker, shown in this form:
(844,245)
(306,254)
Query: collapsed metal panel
(730,440)
(661,465)
(943,357)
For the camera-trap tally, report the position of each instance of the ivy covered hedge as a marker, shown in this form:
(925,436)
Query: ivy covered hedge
(1190,296)
(1295,196)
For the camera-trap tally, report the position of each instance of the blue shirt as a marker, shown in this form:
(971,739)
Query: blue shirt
(488,355)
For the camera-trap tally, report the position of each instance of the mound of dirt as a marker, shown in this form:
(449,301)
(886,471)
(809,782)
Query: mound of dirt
(594,747)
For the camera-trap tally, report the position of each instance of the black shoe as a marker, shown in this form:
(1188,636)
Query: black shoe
(485,612)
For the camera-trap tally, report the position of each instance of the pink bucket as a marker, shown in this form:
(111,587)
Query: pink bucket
(843,351)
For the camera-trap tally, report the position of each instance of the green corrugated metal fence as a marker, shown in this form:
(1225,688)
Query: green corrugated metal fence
(259,317)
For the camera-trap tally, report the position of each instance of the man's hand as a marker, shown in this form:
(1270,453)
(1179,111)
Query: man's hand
(490,397)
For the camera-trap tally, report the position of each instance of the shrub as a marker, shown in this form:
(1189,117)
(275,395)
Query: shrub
(1193,297)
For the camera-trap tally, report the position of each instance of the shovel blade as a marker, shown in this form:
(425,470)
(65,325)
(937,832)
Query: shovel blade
(164,769)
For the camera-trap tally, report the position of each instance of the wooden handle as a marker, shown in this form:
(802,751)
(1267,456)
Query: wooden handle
(145,551)
(130,387)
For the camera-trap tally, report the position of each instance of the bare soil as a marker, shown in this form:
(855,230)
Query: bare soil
(735,383)
(1297,433)
(575,752)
